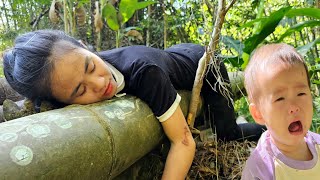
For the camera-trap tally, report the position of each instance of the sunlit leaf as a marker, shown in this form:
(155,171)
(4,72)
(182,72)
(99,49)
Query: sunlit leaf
(245,58)
(299,27)
(143,4)
(251,23)
(110,14)
(267,28)
(128,7)
(304,49)
(311,12)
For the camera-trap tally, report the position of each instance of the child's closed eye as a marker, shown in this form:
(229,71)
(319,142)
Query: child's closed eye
(301,94)
(279,99)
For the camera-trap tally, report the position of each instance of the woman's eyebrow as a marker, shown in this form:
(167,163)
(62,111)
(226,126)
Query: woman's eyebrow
(86,64)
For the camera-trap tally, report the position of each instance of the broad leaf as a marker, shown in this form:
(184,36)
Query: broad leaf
(251,23)
(128,7)
(144,4)
(245,58)
(267,28)
(299,27)
(110,14)
(232,43)
(311,12)
(235,61)
(304,49)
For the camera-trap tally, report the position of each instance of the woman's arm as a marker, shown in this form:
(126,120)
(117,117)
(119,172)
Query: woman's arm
(151,83)
(182,147)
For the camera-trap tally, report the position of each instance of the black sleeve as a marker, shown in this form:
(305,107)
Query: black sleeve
(151,84)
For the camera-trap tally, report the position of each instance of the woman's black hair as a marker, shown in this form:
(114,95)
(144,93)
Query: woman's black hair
(28,65)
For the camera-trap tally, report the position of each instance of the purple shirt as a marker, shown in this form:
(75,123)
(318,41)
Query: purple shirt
(266,162)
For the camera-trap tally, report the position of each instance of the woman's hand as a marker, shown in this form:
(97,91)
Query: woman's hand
(182,147)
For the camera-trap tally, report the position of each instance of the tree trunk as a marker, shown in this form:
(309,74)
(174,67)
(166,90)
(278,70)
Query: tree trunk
(164,25)
(6,14)
(148,28)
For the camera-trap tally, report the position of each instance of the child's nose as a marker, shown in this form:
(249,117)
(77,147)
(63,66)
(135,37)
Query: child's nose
(294,109)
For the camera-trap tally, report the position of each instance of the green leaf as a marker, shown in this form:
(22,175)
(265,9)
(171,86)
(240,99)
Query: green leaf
(267,28)
(245,58)
(251,23)
(232,43)
(235,61)
(304,49)
(311,12)
(128,7)
(299,27)
(144,4)
(110,14)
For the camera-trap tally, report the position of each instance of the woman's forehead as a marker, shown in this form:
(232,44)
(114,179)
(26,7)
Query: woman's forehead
(67,72)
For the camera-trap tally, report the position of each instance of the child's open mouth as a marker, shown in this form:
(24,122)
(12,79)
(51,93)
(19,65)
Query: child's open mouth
(295,128)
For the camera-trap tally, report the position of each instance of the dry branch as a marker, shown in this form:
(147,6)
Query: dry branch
(205,62)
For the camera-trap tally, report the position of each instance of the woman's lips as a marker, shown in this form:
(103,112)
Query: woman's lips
(108,90)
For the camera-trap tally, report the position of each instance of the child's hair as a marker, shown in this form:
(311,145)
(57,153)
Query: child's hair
(28,65)
(280,54)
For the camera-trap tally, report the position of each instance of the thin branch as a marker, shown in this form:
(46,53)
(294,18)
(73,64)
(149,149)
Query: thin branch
(204,63)
(230,5)
(35,21)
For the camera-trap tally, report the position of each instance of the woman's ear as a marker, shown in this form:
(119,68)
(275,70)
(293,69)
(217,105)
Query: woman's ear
(256,114)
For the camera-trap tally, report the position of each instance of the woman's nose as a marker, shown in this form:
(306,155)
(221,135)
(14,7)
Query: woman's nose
(97,83)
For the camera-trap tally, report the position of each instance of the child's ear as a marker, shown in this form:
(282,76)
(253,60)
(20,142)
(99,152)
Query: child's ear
(256,114)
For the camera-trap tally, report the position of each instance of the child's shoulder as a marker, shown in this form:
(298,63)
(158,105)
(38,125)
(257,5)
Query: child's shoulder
(315,137)
(262,152)
(261,161)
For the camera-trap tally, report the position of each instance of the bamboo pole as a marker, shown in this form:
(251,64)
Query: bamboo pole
(96,141)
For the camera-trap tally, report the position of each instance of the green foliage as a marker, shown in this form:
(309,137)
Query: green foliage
(267,27)
(315,126)
(264,26)
(242,108)
(298,28)
(311,12)
(127,8)
(110,14)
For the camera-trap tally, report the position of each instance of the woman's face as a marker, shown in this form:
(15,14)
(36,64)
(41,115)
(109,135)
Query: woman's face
(81,77)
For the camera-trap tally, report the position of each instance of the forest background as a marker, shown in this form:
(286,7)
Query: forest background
(108,24)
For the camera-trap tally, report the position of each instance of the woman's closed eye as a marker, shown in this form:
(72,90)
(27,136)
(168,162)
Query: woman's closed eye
(83,91)
(93,68)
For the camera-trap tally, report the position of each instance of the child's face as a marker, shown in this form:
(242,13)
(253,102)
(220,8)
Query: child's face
(285,103)
(81,77)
